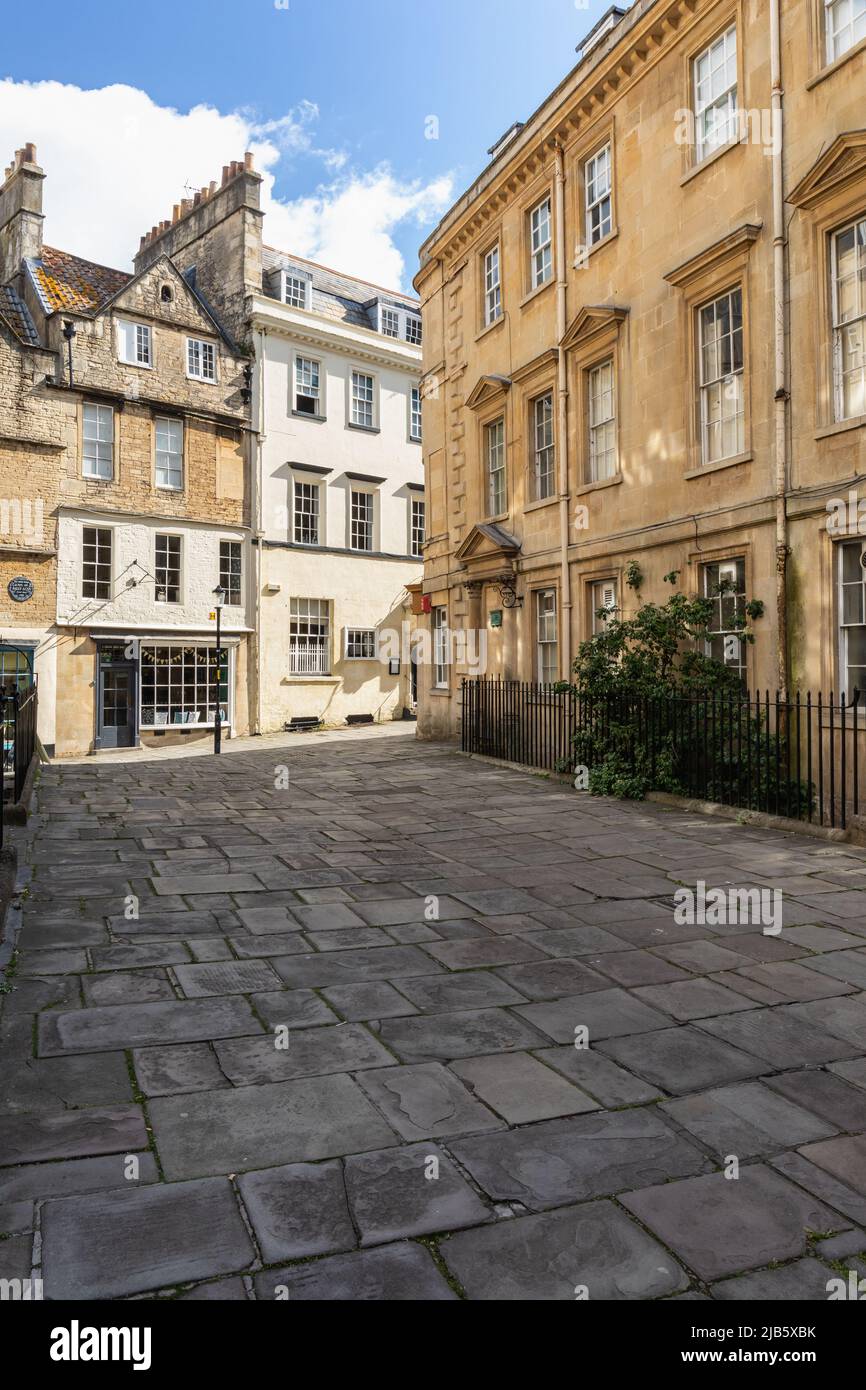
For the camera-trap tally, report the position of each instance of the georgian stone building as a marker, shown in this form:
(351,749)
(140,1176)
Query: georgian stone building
(124,403)
(645,338)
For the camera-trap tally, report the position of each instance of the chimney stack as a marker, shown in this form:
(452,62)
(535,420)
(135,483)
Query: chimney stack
(20,212)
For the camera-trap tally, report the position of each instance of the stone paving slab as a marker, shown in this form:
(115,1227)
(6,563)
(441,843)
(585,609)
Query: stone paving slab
(562,1161)
(116,1243)
(231,1131)
(593,1248)
(136,1025)
(719,1227)
(71,1134)
(298,1210)
(427,934)
(392,1273)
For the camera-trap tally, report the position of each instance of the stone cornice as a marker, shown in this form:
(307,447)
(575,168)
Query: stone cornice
(634,47)
(361,344)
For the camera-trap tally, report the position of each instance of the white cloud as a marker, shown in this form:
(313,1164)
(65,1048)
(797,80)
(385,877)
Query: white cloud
(116,163)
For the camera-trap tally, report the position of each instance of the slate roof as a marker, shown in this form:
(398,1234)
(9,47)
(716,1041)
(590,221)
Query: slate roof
(17,315)
(64,281)
(339,297)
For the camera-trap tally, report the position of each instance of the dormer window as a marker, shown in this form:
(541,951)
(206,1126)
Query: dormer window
(297,290)
(397,322)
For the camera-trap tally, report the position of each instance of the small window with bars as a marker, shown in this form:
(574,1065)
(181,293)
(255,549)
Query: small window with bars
(96,562)
(167,569)
(309,637)
(360,644)
(413,330)
(389,322)
(306,513)
(230,570)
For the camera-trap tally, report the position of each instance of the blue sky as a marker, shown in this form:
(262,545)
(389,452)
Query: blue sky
(333,93)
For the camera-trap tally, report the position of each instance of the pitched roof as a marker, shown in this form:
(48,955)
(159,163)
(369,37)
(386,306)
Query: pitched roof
(17,315)
(64,281)
(335,296)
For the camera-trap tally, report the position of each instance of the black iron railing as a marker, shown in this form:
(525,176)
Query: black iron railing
(18,712)
(800,758)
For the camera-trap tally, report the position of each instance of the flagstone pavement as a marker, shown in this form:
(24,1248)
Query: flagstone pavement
(324,1040)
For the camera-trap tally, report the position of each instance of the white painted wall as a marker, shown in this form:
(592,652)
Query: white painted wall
(363,590)
(133,606)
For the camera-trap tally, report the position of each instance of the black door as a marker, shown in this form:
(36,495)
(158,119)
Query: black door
(116,707)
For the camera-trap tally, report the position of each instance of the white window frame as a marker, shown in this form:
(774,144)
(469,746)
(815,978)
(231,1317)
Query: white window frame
(140,348)
(401,317)
(174,424)
(417,532)
(598,194)
(717,388)
(415,422)
(99,414)
(109,531)
(355,374)
(315,495)
(203,684)
(855,17)
(492,272)
(546,646)
(201,360)
(721,100)
(353,636)
(169,536)
(230,574)
(495,470)
(543,447)
(309,384)
(293,281)
(858,624)
(369,521)
(601,420)
(441,642)
(843,328)
(603,595)
(314,612)
(730,572)
(541,243)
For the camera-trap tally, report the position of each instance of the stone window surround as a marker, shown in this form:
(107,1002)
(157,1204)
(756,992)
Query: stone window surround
(596,343)
(210,342)
(834,217)
(492,243)
(551,587)
(589,579)
(591,145)
(169,415)
(735,549)
(118,321)
(704,34)
(726,265)
(821,63)
(540,190)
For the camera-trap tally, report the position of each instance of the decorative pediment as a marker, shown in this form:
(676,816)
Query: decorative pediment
(143,294)
(731,248)
(487,388)
(590,322)
(488,545)
(842,163)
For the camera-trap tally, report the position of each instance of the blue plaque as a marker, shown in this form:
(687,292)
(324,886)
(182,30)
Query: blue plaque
(20,588)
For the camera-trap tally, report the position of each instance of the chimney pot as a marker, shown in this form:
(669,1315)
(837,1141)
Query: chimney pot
(30,152)
(212,188)
(225,174)
(248,161)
